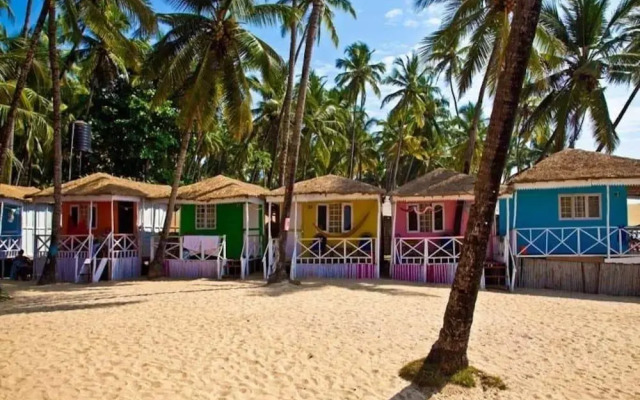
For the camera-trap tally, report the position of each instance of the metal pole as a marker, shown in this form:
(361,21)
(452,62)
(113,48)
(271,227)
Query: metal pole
(73,128)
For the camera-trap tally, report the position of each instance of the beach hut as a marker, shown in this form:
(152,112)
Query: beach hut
(572,206)
(105,221)
(221,230)
(334,229)
(17,216)
(429,220)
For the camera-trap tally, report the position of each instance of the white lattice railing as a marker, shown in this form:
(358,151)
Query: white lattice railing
(433,250)
(335,251)
(124,246)
(10,245)
(578,241)
(175,250)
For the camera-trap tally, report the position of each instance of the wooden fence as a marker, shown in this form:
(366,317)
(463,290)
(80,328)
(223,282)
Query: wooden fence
(584,277)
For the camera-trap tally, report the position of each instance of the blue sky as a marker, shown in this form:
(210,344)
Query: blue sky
(393,28)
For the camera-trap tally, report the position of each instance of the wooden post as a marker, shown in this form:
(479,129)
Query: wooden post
(246,236)
(379,238)
(90,232)
(507,247)
(295,237)
(608,224)
(393,237)
(1,216)
(113,232)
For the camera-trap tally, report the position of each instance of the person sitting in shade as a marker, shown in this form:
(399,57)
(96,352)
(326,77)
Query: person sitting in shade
(21,267)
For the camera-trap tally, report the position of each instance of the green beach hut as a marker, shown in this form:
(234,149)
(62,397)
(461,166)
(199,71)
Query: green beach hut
(221,230)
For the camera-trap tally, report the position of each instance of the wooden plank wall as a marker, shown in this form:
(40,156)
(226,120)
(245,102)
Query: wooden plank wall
(583,277)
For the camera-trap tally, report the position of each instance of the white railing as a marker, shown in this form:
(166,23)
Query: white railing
(433,250)
(175,250)
(577,241)
(335,251)
(124,246)
(10,245)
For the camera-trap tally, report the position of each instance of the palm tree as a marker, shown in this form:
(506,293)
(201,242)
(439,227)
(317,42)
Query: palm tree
(485,24)
(49,270)
(585,47)
(6,131)
(449,353)
(280,272)
(360,72)
(446,55)
(300,8)
(202,60)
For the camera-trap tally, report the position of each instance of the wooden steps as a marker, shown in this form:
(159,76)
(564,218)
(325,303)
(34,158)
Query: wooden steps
(495,275)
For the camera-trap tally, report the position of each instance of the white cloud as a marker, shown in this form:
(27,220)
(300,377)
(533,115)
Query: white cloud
(411,23)
(433,21)
(393,14)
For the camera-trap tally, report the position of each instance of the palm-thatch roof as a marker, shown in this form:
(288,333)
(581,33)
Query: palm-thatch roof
(438,183)
(330,184)
(219,188)
(16,192)
(104,184)
(574,164)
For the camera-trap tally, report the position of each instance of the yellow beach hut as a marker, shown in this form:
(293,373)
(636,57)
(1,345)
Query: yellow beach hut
(334,229)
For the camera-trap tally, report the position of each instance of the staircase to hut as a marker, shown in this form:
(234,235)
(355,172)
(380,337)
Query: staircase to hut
(495,275)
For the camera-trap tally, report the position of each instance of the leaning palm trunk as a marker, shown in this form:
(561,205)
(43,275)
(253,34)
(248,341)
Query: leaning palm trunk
(449,352)
(6,133)
(285,113)
(623,111)
(156,267)
(49,270)
(280,272)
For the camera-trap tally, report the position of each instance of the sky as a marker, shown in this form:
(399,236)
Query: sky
(393,29)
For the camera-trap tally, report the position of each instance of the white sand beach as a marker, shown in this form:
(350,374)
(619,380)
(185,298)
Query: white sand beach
(323,340)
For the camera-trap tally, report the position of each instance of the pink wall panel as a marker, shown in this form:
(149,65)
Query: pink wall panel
(449,219)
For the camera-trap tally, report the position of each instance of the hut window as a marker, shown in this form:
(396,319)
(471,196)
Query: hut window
(412,219)
(426,218)
(321,217)
(580,206)
(346,217)
(206,216)
(438,218)
(335,218)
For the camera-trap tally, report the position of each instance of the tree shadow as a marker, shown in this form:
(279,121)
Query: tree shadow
(413,392)
(372,286)
(30,308)
(561,294)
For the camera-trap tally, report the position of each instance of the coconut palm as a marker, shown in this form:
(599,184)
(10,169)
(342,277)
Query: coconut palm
(585,48)
(280,272)
(202,61)
(448,354)
(49,270)
(359,73)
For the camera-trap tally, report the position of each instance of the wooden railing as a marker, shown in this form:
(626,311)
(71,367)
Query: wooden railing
(175,249)
(578,241)
(423,251)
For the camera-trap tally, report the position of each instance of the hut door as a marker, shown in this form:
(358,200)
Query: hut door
(126,217)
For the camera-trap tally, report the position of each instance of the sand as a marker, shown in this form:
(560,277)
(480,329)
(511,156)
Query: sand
(323,340)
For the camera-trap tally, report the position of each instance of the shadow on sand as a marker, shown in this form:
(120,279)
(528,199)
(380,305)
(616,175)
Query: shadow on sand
(30,308)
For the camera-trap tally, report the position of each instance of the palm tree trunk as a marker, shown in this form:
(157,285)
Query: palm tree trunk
(353,137)
(280,272)
(156,267)
(27,19)
(473,132)
(396,167)
(449,352)
(21,82)
(623,111)
(49,270)
(285,114)
(453,96)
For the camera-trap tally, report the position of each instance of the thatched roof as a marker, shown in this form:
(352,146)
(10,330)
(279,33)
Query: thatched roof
(330,184)
(574,164)
(16,192)
(104,184)
(437,183)
(219,188)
